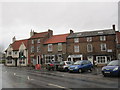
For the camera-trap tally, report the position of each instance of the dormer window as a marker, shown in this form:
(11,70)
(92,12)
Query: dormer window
(76,40)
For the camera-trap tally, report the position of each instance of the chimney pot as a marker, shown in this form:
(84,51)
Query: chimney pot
(113,27)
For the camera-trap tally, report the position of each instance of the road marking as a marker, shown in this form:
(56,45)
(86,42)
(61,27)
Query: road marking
(14,74)
(28,78)
(56,85)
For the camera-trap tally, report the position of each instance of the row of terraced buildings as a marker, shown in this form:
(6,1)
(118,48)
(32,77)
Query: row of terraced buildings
(100,46)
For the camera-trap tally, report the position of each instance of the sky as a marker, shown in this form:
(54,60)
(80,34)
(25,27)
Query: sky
(18,18)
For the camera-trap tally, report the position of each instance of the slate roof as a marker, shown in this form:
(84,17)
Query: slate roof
(37,35)
(56,39)
(15,45)
(92,33)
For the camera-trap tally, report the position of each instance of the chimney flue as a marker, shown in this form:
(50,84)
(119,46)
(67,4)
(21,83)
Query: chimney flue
(113,27)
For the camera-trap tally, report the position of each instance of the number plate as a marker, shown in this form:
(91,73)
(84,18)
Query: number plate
(106,72)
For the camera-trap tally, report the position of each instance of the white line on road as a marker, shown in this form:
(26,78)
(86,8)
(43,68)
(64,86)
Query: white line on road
(56,85)
(28,78)
(14,74)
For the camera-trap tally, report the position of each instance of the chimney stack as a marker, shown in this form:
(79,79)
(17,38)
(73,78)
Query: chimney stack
(50,32)
(13,39)
(113,27)
(32,33)
(71,32)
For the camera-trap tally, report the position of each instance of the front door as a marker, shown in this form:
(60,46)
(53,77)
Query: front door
(38,59)
(15,62)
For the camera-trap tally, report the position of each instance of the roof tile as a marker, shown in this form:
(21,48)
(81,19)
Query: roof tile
(57,39)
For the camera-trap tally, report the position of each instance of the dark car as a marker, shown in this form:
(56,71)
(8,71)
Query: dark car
(64,65)
(80,66)
(112,69)
(52,65)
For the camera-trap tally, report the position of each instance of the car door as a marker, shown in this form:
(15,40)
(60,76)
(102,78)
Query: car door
(84,65)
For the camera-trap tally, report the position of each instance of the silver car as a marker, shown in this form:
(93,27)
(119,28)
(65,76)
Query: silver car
(64,65)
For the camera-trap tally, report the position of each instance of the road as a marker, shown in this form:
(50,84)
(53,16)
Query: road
(16,77)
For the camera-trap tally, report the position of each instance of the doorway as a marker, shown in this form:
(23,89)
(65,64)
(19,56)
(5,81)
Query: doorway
(16,62)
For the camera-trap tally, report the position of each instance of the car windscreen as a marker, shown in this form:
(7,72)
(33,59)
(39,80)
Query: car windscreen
(69,62)
(78,63)
(114,63)
(61,63)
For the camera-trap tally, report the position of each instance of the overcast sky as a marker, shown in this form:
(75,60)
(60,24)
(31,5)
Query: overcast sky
(18,18)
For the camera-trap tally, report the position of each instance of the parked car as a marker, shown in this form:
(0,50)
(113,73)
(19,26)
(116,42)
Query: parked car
(64,65)
(80,66)
(52,65)
(112,68)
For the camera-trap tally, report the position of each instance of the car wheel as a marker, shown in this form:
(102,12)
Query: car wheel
(104,75)
(66,69)
(80,70)
(90,70)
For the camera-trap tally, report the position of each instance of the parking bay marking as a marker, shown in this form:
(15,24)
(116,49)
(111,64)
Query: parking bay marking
(50,84)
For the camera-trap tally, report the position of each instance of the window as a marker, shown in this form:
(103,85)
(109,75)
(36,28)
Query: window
(22,61)
(32,41)
(38,48)
(9,61)
(101,59)
(9,53)
(15,52)
(49,58)
(89,48)
(59,57)
(103,47)
(59,46)
(102,38)
(89,39)
(38,41)
(32,49)
(49,47)
(76,40)
(76,48)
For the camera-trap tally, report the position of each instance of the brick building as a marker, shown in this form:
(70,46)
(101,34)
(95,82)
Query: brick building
(96,46)
(118,45)
(55,48)
(35,46)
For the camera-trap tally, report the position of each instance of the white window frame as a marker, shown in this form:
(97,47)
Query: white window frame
(89,39)
(50,49)
(76,40)
(101,59)
(49,58)
(59,46)
(76,48)
(89,46)
(32,49)
(38,41)
(38,48)
(32,41)
(102,46)
(102,38)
